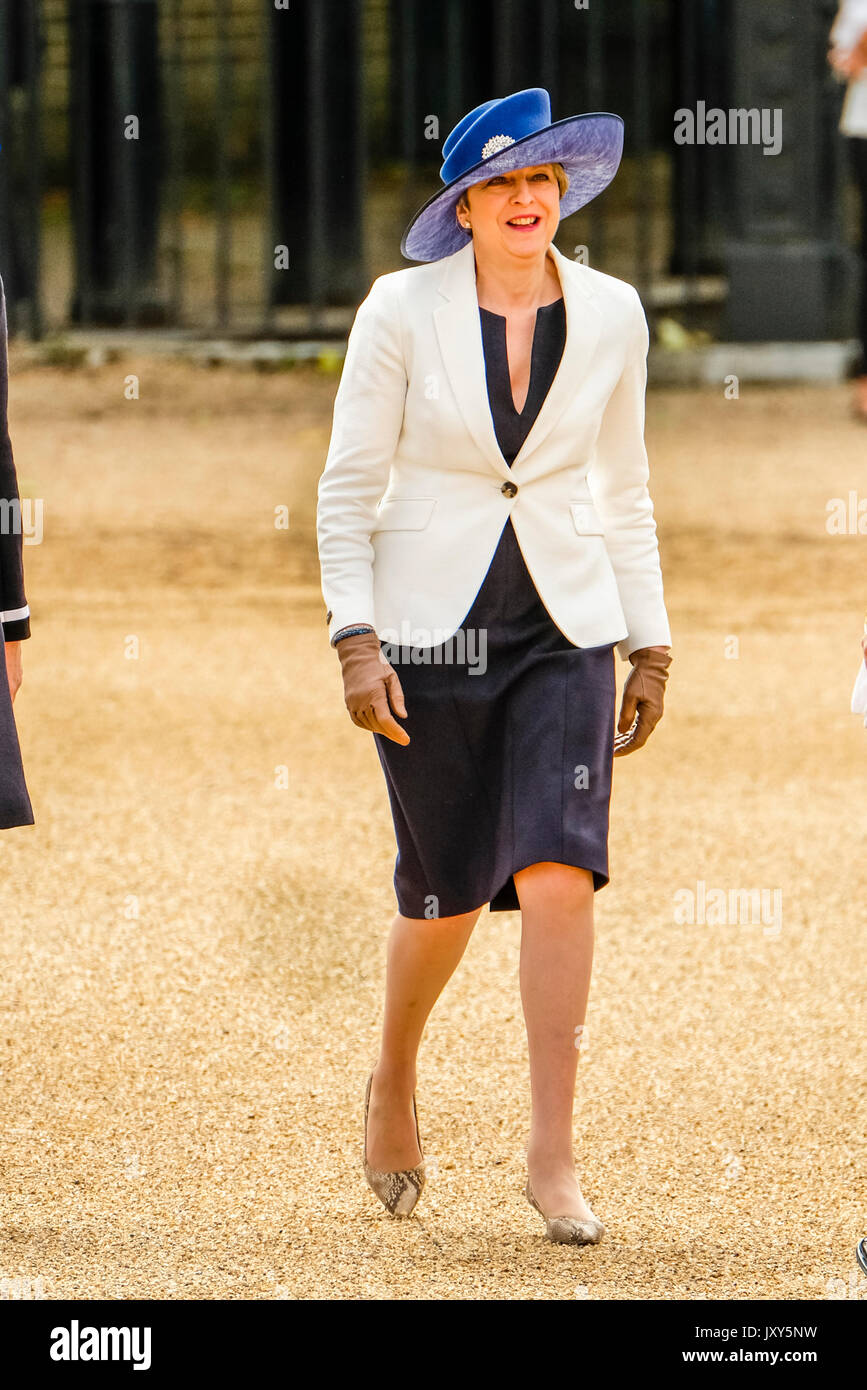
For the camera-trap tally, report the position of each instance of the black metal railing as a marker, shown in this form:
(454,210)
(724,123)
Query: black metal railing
(239,167)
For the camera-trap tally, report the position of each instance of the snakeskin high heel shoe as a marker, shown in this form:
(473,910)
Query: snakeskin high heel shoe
(398,1191)
(568,1230)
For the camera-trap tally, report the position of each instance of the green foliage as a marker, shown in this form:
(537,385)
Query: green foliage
(329,361)
(58,351)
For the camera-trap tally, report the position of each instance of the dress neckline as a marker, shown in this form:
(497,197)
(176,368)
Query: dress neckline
(550,305)
(501,321)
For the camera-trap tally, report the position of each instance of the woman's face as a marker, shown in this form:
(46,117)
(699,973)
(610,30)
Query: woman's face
(517,213)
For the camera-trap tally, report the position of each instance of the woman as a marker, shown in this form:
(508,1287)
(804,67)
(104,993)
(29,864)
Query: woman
(484,525)
(15,808)
(848,58)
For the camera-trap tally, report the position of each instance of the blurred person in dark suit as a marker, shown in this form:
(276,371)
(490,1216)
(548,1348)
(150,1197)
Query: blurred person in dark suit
(848,58)
(15,808)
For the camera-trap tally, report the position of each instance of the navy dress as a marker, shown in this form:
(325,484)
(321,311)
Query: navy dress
(509,764)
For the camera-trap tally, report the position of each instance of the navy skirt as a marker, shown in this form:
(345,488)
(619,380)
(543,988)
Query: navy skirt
(512,742)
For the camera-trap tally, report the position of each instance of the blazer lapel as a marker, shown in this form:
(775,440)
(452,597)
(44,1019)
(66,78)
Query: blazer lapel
(458,329)
(583,327)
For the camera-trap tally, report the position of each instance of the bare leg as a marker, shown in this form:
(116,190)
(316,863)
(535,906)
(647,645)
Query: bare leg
(556,960)
(423,953)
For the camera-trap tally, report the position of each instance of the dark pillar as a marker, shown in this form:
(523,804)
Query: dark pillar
(789,273)
(700,176)
(315,143)
(116,180)
(449,57)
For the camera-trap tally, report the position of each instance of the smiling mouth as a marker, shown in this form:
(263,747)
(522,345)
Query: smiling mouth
(526,221)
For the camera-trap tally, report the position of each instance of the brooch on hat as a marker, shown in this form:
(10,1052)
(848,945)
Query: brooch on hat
(495,144)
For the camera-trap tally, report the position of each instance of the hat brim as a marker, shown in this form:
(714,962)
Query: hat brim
(589,147)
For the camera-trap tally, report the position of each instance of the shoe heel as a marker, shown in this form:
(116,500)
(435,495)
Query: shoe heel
(399,1192)
(567,1230)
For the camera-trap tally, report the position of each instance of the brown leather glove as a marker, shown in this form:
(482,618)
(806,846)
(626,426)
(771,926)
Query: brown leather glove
(369,684)
(642,693)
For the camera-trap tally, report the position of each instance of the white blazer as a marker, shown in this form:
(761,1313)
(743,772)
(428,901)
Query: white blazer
(415,491)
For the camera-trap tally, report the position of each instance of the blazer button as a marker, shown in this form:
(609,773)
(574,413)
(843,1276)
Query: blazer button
(509,490)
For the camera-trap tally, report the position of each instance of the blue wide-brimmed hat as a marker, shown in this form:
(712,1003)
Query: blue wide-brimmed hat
(512,133)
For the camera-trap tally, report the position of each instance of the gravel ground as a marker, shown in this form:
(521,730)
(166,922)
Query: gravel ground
(193,933)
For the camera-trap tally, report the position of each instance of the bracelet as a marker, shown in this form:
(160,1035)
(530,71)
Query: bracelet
(349,632)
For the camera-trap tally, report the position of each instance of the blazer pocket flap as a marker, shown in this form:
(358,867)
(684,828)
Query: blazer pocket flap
(586,519)
(404,513)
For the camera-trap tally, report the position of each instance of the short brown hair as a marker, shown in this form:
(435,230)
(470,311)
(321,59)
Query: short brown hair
(559,173)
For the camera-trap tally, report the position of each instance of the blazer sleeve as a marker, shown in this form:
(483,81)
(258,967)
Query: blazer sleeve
(618,477)
(14,612)
(367,421)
